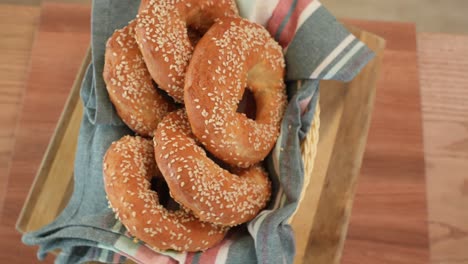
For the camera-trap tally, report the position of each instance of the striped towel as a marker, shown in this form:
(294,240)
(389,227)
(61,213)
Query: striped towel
(316,47)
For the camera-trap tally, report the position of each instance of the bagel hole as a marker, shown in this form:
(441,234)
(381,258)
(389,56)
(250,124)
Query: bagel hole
(247,104)
(159,185)
(209,155)
(232,169)
(197,23)
(194,34)
(219,162)
(164,94)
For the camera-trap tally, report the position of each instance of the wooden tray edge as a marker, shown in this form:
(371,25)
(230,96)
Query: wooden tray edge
(338,224)
(54,143)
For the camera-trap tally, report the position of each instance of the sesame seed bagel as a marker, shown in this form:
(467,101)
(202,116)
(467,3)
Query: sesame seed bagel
(167,32)
(129,166)
(212,193)
(232,55)
(143,5)
(130,86)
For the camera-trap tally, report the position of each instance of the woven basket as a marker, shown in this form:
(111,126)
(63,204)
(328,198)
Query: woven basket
(308,153)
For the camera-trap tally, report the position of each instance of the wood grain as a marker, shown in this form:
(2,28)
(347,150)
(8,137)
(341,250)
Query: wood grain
(17,27)
(53,69)
(346,115)
(331,111)
(389,219)
(443,62)
(53,184)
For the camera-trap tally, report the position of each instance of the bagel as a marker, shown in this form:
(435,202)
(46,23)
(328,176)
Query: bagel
(128,168)
(167,32)
(143,5)
(233,55)
(210,192)
(130,86)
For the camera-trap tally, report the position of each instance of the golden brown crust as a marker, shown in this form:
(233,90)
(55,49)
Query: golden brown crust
(128,167)
(199,184)
(130,86)
(143,5)
(164,41)
(235,54)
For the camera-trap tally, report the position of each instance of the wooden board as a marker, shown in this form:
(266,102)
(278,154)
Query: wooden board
(346,108)
(389,219)
(61,41)
(53,184)
(41,121)
(17,27)
(443,62)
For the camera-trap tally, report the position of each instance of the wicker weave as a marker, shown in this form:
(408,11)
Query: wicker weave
(309,151)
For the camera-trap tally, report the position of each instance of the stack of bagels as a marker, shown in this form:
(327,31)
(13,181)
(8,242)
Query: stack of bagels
(176,75)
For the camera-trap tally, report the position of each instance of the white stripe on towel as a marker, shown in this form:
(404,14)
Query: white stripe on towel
(332,56)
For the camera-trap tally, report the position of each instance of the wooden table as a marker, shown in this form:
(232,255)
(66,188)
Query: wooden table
(389,220)
(51,74)
(388,224)
(443,62)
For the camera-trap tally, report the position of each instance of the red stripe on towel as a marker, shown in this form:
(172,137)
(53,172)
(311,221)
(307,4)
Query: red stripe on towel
(290,29)
(278,15)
